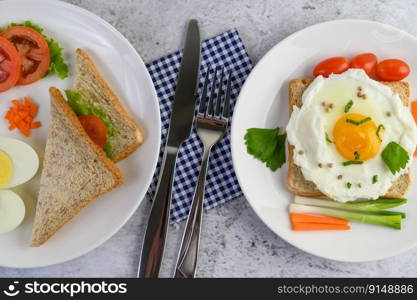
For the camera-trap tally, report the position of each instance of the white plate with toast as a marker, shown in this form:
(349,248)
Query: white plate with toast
(126,75)
(263,103)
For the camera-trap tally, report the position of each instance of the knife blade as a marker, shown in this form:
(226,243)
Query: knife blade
(179,130)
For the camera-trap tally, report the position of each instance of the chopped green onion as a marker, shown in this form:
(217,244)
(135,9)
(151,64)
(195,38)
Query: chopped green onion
(348,185)
(352,162)
(380,126)
(348,106)
(374,179)
(328,139)
(360,122)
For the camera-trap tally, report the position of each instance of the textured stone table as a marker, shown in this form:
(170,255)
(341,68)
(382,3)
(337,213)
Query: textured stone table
(235,243)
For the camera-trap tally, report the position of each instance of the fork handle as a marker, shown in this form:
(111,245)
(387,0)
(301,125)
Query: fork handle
(187,259)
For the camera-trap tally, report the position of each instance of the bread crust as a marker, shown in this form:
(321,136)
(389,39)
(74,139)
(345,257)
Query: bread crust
(296,182)
(117,104)
(58,99)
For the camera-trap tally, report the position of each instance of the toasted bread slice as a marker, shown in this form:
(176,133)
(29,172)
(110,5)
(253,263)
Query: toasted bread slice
(128,137)
(75,172)
(296,182)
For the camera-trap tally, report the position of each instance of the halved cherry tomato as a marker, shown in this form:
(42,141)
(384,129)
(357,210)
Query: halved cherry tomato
(95,129)
(392,70)
(335,65)
(33,50)
(9,65)
(364,61)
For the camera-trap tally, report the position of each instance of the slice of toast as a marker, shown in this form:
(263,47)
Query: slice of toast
(296,182)
(75,172)
(128,137)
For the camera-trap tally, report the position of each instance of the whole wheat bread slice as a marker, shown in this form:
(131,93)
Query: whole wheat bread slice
(128,137)
(75,172)
(296,182)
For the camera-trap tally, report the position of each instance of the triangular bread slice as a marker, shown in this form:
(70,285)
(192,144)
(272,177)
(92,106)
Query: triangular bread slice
(128,137)
(296,182)
(75,172)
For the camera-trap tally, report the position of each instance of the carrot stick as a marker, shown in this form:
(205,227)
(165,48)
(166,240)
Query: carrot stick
(307,218)
(318,226)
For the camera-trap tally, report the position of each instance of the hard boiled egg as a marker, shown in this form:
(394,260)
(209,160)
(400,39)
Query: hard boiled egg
(12,210)
(18,162)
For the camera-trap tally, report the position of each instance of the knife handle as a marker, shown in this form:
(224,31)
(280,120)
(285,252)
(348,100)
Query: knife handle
(154,241)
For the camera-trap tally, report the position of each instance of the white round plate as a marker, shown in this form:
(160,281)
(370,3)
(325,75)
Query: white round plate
(124,70)
(263,102)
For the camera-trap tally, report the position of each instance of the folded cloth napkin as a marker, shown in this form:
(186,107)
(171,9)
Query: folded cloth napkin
(225,50)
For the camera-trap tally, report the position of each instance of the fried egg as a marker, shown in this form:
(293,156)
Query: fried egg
(18,162)
(338,134)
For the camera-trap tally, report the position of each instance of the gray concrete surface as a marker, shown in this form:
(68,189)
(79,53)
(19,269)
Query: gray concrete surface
(235,243)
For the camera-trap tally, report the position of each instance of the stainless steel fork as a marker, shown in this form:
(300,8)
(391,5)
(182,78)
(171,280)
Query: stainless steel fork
(211,123)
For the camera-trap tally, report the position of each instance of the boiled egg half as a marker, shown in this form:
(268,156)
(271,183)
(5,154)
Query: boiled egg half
(18,162)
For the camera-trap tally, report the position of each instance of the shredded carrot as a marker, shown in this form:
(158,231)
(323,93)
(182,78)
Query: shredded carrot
(307,218)
(21,116)
(318,226)
(414,113)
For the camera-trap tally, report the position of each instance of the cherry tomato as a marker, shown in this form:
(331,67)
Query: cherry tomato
(33,50)
(364,61)
(392,70)
(335,65)
(95,129)
(9,65)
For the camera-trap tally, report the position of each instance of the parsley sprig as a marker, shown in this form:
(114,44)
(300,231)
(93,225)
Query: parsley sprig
(395,157)
(267,145)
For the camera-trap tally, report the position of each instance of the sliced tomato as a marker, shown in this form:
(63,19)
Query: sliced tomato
(95,128)
(364,61)
(392,70)
(9,65)
(333,65)
(33,50)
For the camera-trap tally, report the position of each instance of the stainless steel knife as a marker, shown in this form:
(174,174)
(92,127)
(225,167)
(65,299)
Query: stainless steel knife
(179,130)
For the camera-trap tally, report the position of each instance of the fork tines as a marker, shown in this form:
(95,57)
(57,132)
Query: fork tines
(212,106)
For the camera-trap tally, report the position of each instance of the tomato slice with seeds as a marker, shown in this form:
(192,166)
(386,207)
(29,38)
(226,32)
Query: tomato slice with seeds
(33,50)
(9,65)
(95,128)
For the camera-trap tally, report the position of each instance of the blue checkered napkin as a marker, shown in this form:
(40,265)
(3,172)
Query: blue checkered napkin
(225,50)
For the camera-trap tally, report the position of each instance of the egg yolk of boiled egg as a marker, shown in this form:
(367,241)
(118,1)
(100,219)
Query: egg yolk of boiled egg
(6,169)
(355,137)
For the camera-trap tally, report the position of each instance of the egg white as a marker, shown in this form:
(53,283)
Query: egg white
(24,158)
(309,124)
(12,210)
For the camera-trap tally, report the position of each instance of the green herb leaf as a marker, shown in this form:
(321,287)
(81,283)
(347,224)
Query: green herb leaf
(357,123)
(267,145)
(57,65)
(395,157)
(328,139)
(374,179)
(352,162)
(108,148)
(357,155)
(380,126)
(348,106)
(348,185)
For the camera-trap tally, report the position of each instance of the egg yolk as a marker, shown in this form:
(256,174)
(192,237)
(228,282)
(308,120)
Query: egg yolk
(356,142)
(6,169)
